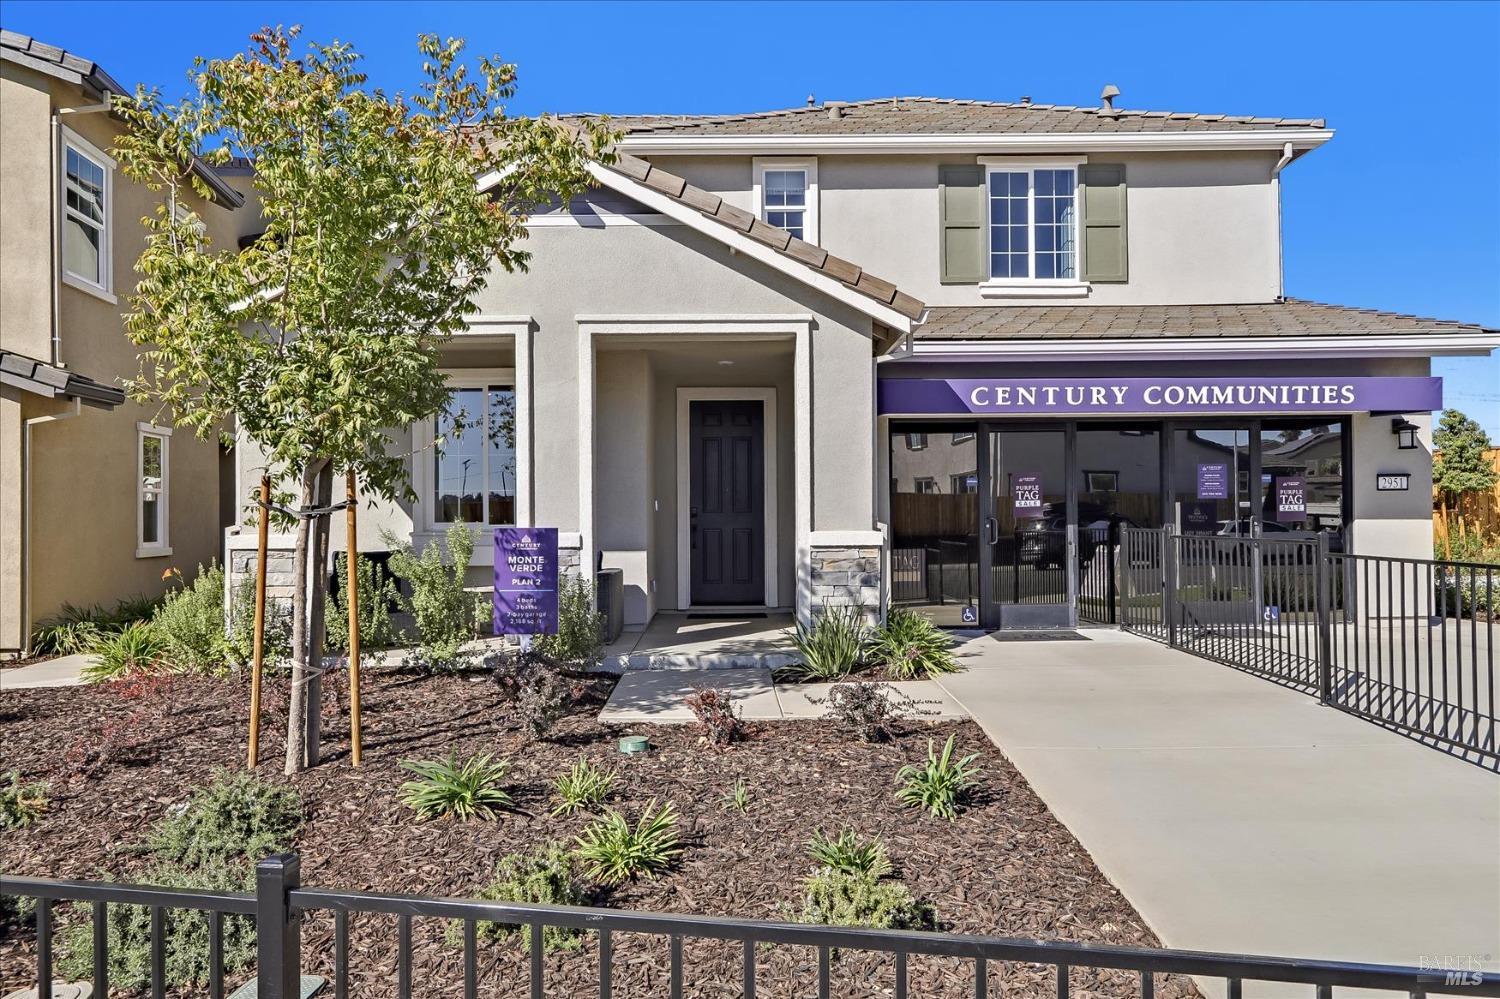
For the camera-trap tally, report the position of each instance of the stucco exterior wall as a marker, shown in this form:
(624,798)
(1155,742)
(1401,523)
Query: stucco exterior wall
(83,475)
(1202,226)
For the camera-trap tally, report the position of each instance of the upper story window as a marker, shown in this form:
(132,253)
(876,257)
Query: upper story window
(786,195)
(474,467)
(1033,223)
(88,193)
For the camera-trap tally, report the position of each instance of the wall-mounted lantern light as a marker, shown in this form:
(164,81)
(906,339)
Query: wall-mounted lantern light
(1406,433)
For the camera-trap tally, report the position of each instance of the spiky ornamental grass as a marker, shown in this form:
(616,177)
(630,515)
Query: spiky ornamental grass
(850,854)
(449,789)
(616,852)
(583,787)
(831,648)
(940,784)
(911,647)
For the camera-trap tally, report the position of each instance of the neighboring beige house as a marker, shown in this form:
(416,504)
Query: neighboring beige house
(713,372)
(98,496)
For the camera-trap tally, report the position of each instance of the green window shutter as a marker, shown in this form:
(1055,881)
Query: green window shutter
(1104,236)
(962,214)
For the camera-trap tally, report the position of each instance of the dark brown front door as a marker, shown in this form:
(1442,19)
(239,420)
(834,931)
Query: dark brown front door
(726,524)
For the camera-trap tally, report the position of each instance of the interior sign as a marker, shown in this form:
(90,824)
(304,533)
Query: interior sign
(1026,492)
(1392,482)
(1213,481)
(1291,498)
(525,581)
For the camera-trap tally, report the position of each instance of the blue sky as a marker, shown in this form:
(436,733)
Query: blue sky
(1400,211)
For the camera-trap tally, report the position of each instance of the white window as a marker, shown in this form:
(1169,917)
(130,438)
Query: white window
(153,461)
(786,195)
(87,195)
(474,461)
(916,442)
(963,484)
(1033,223)
(925,486)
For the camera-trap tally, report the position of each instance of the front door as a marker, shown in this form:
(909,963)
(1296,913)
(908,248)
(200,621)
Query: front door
(726,525)
(1029,551)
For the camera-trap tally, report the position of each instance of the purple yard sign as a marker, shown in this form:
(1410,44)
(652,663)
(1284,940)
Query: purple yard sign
(1158,396)
(525,580)
(1026,491)
(1291,498)
(1200,517)
(1213,481)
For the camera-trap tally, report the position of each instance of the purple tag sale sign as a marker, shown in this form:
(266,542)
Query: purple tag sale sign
(1291,498)
(525,580)
(1026,491)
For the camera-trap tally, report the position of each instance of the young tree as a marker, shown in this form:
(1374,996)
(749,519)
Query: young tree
(1461,465)
(324,334)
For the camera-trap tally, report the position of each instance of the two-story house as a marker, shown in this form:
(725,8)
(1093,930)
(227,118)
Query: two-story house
(98,497)
(925,352)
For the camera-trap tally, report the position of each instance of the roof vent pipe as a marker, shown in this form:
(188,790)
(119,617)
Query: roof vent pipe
(835,110)
(1025,98)
(1107,97)
(812,101)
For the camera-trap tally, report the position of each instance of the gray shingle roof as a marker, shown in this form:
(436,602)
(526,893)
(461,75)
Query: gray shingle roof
(51,381)
(815,258)
(1290,318)
(946,116)
(38,55)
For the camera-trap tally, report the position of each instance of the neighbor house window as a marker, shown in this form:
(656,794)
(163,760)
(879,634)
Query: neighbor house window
(786,195)
(925,486)
(964,484)
(1033,223)
(474,467)
(87,192)
(152,463)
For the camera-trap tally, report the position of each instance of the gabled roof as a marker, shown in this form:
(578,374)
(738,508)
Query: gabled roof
(947,116)
(723,216)
(23,50)
(51,381)
(1291,317)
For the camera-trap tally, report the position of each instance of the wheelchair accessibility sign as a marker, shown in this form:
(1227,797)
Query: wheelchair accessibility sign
(1271,615)
(969,615)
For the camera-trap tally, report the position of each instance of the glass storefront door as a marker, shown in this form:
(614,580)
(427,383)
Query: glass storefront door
(1030,530)
(934,521)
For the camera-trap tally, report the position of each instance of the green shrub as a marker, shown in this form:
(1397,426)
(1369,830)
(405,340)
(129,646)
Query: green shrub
(377,592)
(448,788)
(579,640)
(940,784)
(538,694)
(583,787)
(831,648)
(737,799)
(849,854)
(864,708)
(439,605)
(616,852)
(839,898)
(75,628)
(139,648)
(547,877)
(21,803)
(190,624)
(912,647)
(238,816)
(187,936)
(278,631)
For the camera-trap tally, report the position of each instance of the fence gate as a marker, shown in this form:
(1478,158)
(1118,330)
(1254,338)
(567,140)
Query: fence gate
(1405,643)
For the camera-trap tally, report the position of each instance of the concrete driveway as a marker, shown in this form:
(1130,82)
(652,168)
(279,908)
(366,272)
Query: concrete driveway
(1241,816)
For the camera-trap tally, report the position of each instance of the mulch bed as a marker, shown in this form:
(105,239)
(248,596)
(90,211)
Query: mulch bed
(1005,867)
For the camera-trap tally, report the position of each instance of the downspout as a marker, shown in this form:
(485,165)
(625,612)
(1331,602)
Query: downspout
(1286,157)
(26,621)
(56,155)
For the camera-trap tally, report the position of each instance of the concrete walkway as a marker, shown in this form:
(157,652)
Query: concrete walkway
(63,671)
(1237,815)
(690,641)
(657,696)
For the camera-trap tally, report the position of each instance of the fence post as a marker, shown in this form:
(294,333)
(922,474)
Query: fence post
(278,928)
(1169,582)
(1323,580)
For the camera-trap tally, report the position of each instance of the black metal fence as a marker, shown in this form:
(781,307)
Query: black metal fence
(1405,643)
(280,903)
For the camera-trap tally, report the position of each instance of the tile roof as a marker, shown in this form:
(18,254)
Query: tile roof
(1289,318)
(946,116)
(713,207)
(38,55)
(49,380)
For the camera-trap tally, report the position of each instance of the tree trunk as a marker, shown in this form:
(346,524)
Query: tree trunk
(317,581)
(296,715)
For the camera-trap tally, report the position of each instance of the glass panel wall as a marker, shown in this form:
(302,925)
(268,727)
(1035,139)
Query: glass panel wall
(935,522)
(1211,491)
(1119,484)
(1029,539)
(1306,458)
